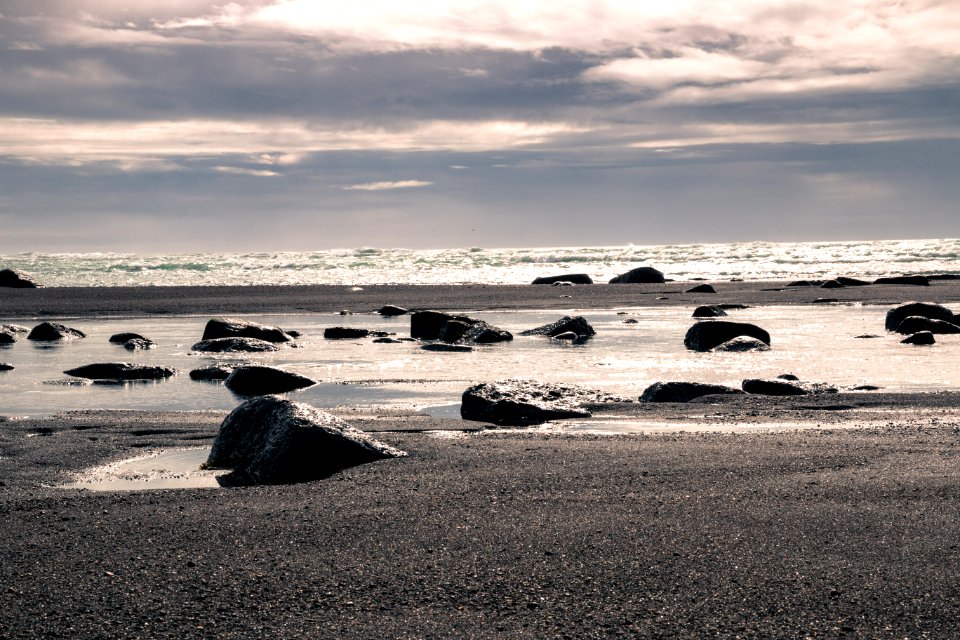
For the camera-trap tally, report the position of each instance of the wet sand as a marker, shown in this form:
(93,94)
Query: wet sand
(847,530)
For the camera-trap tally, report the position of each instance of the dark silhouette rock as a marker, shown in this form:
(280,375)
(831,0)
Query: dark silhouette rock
(120,338)
(709,311)
(7,338)
(944,276)
(387,340)
(851,282)
(212,372)
(640,275)
(788,376)
(701,288)
(391,310)
(575,324)
(802,283)
(15,279)
(453,330)
(742,344)
(234,345)
(6,366)
(427,325)
(139,344)
(259,380)
(727,306)
(273,440)
(526,402)
(50,331)
(773,388)
(236,328)
(832,284)
(866,336)
(921,338)
(683,391)
(825,301)
(121,371)
(919,281)
(443,346)
(630,321)
(923,309)
(706,335)
(573,278)
(916,324)
(350,333)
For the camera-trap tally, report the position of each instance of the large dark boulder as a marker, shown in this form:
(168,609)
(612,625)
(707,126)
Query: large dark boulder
(704,336)
(50,331)
(742,344)
(701,288)
(236,328)
(7,338)
(640,275)
(121,371)
(212,372)
(919,281)
(391,310)
(921,338)
(773,388)
(566,324)
(916,324)
(573,278)
(121,338)
(684,391)
(6,366)
(923,309)
(709,311)
(427,325)
(350,333)
(273,440)
(234,345)
(526,402)
(259,380)
(16,279)
(478,332)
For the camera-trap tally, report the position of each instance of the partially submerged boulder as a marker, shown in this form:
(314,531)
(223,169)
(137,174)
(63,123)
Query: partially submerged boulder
(478,332)
(237,328)
(259,380)
(212,372)
(121,371)
(709,311)
(921,338)
(707,335)
(350,333)
(234,345)
(7,338)
(684,391)
(139,344)
(450,348)
(576,324)
(918,281)
(742,344)
(916,324)
(273,440)
(427,325)
(121,338)
(51,331)
(832,284)
(640,275)
(923,309)
(392,310)
(14,328)
(527,402)
(572,278)
(851,282)
(16,279)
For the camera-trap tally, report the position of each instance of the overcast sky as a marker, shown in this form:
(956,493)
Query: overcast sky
(188,125)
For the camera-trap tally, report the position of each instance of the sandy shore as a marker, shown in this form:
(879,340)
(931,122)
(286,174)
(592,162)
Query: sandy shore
(847,530)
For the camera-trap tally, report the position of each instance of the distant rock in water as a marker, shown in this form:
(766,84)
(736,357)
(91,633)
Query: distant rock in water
(139,344)
(916,324)
(15,279)
(574,278)
(14,328)
(526,402)
(350,333)
(921,338)
(923,309)
(7,338)
(576,324)
(450,348)
(709,334)
(851,282)
(6,366)
(427,325)
(788,376)
(684,391)
(273,440)
(212,372)
(120,338)
(391,310)
(919,281)
(640,275)
(50,331)
(709,311)
(258,380)
(742,344)
(236,328)
(234,345)
(701,288)
(479,332)
(121,371)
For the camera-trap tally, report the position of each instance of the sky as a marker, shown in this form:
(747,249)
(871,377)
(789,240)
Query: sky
(191,125)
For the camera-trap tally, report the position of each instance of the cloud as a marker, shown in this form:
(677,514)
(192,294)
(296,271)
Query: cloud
(243,171)
(383,186)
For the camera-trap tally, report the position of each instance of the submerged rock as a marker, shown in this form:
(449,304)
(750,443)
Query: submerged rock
(427,325)
(236,328)
(121,371)
(684,391)
(923,309)
(212,372)
(527,402)
(443,346)
(234,345)
(139,344)
(572,278)
(916,324)
(50,331)
(707,335)
(851,282)
(742,344)
(15,279)
(273,440)
(567,324)
(259,380)
(350,333)
(709,311)
(640,275)
(921,338)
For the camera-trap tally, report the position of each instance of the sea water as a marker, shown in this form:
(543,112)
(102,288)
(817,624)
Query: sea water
(478,265)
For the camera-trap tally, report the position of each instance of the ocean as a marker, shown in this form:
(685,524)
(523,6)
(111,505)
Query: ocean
(477,265)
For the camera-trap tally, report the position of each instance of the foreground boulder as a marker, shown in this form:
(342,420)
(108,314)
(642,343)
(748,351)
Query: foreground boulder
(705,336)
(918,281)
(121,371)
(234,345)
(922,309)
(684,391)
(640,275)
(572,278)
(273,440)
(916,324)
(577,325)
(742,344)
(50,331)
(526,402)
(259,380)
(236,328)
(212,372)
(921,338)
(16,279)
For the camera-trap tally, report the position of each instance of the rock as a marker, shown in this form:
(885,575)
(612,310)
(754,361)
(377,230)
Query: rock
(387,340)
(726,306)
(139,344)
(14,328)
(391,310)
(923,309)
(212,372)
(350,333)
(234,345)
(772,388)
(567,335)
(346,312)
(527,402)
(120,338)
(293,333)
(576,324)
(273,440)
(802,283)
(259,380)
(16,279)
(640,275)
(704,336)
(916,324)
(6,366)
(921,338)
(788,376)
(709,311)
(742,344)
(7,338)
(453,330)
(121,371)
(701,288)
(851,282)
(573,278)
(49,331)
(919,281)
(443,346)
(944,276)
(683,391)
(866,336)
(236,328)
(831,284)
(427,325)
(630,321)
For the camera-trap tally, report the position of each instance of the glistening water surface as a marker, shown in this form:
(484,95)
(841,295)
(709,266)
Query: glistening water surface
(817,343)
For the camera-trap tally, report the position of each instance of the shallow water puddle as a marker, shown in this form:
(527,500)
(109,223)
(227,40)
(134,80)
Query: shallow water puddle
(170,469)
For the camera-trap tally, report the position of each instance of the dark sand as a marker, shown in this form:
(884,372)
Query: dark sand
(848,530)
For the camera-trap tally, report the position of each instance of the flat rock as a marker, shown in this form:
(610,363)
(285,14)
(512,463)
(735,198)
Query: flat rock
(707,335)
(121,338)
(919,281)
(273,440)
(212,372)
(684,391)
(237,328)
(921,338)
(923,309)
(742,344)
(709,311)
(392,310)
(443,346)
(259,380)
(851,282)
(121,371)
(567,324)
(350,333)
(234,345)
(16,279)
(640,275)
(14,328)
(527,402)
(50,331)
(773,388)
(572,278)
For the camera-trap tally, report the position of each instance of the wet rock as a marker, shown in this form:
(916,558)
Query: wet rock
(851,282)
(50,331)
(567,336)
(6,366)
(825,301)
(866,336)
(259,380)
(212,372)
(387,340)
(139,344)
(526,402)
(923,309)
(427,325)
(742,344)
(234,345)
(709,311)
(684,391)
(391,310)
(865,387)
(567,324)
(350,333)
(293,333)
(121,371)
(802,283)
(916,324)
(120,338)
(630,321)
(943,276)
(701,288)
(573,278)
(788,376)
(832,284)
(919,281)
(707,335)
(15,279)
(443,346)
(727,306)
(7,338)
(236,328)
(273,440)
(921,338)
(773,388)
(640,275)
(14,328)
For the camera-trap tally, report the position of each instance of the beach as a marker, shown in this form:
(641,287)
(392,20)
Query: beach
(827,516)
